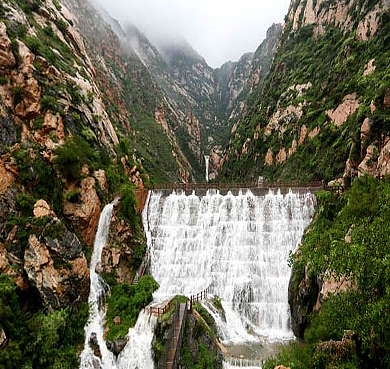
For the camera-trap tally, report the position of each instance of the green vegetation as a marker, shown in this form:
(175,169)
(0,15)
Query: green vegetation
(126,301)
(334,63)
(35,339)
(72,155)
(364,213)
(198,340)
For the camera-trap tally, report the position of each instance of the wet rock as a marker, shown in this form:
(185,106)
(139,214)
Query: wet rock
(117,346)
(302,296)
(94,345)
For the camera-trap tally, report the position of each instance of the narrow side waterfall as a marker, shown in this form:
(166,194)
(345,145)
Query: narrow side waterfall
(137,352)
(98,289)
(207,159)
(238,245)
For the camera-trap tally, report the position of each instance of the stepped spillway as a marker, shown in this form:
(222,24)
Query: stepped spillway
(237,244)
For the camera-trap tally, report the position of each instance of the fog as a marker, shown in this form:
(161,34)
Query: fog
(219,30)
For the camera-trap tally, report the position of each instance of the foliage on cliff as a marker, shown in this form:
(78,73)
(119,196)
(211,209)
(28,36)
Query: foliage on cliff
(126,301)
(36,339)
(348,240)
(290,131)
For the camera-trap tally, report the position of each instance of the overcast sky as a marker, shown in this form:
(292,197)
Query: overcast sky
(220,30)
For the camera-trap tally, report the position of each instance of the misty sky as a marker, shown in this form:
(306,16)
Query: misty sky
(220,30)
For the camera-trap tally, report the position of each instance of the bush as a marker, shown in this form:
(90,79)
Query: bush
(127,205)
(127,301)
(72,155)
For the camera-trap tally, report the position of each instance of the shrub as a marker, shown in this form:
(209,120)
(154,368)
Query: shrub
(72,155)
(127,205)
(127,301)
(49,103)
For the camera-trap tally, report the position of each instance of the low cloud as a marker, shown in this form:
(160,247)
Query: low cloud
(220,30)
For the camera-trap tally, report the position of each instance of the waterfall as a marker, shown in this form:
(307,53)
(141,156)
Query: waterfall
(238,245)
(98,289)
(207,158)
(137,352)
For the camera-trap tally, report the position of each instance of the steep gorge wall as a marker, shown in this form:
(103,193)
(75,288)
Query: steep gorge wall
(323,112)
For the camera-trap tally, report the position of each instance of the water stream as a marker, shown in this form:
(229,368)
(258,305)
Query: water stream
(238,245)
(207,160)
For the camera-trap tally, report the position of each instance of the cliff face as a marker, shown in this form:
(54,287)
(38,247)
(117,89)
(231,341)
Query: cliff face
(324,100)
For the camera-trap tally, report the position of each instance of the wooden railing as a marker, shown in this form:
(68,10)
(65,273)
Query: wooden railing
(199,296)
(161,309)
(190,186)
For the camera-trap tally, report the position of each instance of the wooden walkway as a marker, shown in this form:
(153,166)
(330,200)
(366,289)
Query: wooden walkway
(176,341)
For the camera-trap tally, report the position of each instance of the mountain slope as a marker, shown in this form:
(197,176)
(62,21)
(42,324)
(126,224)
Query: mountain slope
(323,111)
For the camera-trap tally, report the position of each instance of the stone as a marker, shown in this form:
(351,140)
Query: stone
(386,100)
(383,164)
(7,59)
(302,136)
(42,209)
(369,163)
(365,129)
(3,338)
(6,177)
(337,350)
(58,285)
(269,158)
(281,367)
(100,176)
(282,156)
(85,214)
(314,132)
(117,320)
(349,105)
(369,68)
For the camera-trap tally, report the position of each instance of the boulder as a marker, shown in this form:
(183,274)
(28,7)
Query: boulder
(42,209)
(349,105)
(365,129)
(383,164)
(57,268)
(7,59)
(85,214)
(302,296)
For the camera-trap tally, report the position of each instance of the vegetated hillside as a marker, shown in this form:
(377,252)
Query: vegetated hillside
(339,291)
(146,118)
(63,155)
(324,110)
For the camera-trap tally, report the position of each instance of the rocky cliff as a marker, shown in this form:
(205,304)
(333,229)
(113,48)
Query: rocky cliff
(323,111)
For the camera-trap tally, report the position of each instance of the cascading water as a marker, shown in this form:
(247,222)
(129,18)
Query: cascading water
(207,159)
(98,289)
(137,353)
(238,245)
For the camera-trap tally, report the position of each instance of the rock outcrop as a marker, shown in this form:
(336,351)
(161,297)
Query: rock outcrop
(56,266)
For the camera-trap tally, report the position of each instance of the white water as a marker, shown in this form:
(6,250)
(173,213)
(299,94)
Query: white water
(96,297)
(238,245)
(137,352)
(207,158)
